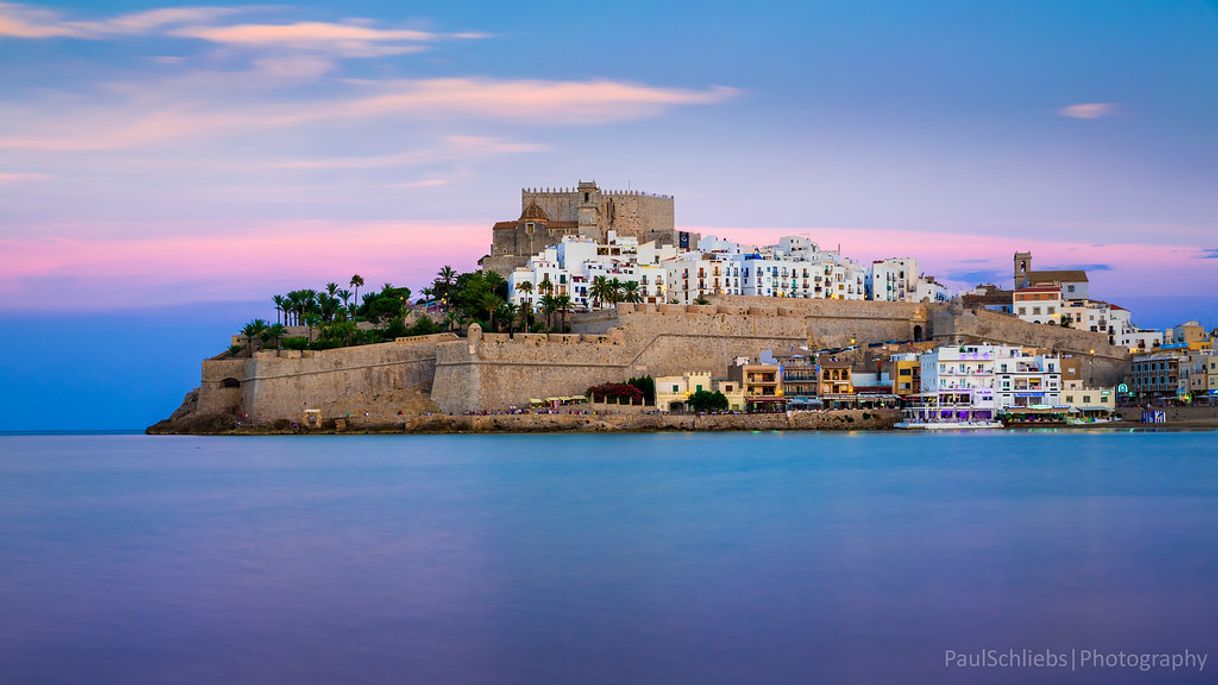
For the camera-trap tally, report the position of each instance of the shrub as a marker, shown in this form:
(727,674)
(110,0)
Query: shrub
(295,343)
(618,391)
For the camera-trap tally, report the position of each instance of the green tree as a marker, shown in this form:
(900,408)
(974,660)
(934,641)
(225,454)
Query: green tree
(357,282)
(704,400)
(647,385)
(253,331)
(631,292)
(281,304)
(615,290)
(274,334)
(549,305)
(563,304)
(526,287)
(311,319)
(491,304)
(445,280)
(600,290)
(508,313)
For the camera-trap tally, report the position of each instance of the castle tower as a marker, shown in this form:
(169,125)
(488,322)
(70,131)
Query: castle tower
(588,197)
(1023,265)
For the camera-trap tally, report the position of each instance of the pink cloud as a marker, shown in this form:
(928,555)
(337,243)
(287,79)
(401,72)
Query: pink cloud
(347,39)
(86,273)
(22,176)
(25,21)
(257,262)
(1132,269)
(1088,110)
(150,117)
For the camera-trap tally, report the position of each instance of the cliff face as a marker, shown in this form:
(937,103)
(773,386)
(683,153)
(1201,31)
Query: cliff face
(390,382)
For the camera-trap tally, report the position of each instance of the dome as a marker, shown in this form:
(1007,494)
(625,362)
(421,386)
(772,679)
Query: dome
(533,213)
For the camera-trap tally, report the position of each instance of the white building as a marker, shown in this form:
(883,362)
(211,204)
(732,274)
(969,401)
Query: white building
(986,376)
(694,275)
(1113,320)
(1023,379)
(892,280)
(964,373)
(1038,304)
(572,265)
(927,289)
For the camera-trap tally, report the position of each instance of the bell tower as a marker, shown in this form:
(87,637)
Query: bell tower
(1023,265)
(588,209)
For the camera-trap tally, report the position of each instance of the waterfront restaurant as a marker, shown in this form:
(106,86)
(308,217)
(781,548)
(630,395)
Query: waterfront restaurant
(952,406)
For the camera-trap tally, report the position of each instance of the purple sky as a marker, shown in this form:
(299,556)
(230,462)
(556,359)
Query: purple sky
(161,154)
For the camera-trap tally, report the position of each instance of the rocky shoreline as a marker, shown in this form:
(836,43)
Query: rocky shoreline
(852,419)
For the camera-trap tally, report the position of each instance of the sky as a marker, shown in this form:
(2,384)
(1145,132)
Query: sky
(165,169)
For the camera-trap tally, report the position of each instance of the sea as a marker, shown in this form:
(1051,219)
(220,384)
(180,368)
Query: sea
(702,558)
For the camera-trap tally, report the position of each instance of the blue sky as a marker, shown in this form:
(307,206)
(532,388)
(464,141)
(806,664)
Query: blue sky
(167,158)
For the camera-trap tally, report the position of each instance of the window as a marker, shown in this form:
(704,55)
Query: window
(676,388)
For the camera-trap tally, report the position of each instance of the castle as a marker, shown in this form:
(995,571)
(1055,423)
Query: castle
(548,215)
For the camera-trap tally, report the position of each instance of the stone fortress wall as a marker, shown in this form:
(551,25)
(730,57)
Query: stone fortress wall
(630,213)
(493,371)
(278,384)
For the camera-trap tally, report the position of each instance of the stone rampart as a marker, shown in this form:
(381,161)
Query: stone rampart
(277,384)
(825,323)
(494,371)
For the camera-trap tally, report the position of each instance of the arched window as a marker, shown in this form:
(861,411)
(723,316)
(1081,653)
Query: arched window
(230,383)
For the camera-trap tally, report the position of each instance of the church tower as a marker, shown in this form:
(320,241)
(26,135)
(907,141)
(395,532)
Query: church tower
(1023,265)
(588,211)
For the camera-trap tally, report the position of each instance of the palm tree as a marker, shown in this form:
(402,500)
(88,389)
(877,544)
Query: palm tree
(274,334)
(280,304)
(615,290)
(549,304)
(252,331)
(563,304)
(309,300)
(311,319)
(445,279)
(331,288)
(526,287)
(447,275)
(345,296)
(599,291)
(508,313)
(631,292)
(327,306)
(453,319)
(357,281)
(491,304)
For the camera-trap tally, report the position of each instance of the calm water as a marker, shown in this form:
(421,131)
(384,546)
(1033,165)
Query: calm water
(739,558)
